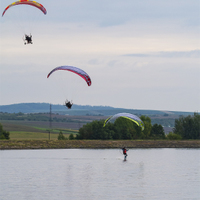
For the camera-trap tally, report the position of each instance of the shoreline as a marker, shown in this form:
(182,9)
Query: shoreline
(96,144)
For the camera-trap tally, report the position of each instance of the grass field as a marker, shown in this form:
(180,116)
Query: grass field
(17,135)
(26,130)
(25,135)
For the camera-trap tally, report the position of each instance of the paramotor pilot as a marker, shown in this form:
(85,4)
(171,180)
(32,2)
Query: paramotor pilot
(28,39)
(68,104)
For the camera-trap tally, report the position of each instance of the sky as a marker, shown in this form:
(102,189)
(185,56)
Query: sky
(139,54)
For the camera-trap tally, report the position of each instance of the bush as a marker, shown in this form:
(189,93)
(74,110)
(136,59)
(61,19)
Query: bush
(2,137)
(61,136)
(4,134)
(173,136)
(71,136)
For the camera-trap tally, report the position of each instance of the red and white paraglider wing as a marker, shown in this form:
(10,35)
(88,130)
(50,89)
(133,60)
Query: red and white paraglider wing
(75,70)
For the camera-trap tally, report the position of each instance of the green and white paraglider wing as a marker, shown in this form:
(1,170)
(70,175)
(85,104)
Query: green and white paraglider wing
(128,116)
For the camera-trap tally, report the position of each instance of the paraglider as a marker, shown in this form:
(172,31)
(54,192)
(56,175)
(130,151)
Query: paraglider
(27,38)
(128,116)
(77,71)
(26,2)
(68,104)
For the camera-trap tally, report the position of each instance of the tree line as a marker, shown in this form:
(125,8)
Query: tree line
(31,117)
(188,127)
(123,129)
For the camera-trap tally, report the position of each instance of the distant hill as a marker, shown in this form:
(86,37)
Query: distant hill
(41,110)
(81,110)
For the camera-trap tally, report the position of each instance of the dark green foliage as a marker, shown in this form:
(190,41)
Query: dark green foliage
(147,127)
(157,132)
(126,129)
(173,136)
(93,131)
(61,136)
(121,129)
(4,134)
(188,127)
(71,136)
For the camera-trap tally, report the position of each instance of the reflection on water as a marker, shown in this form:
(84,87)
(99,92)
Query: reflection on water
(78,174)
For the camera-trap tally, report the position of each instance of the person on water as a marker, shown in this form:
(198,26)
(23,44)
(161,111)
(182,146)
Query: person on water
(28,39)
(68,104)
(125,152)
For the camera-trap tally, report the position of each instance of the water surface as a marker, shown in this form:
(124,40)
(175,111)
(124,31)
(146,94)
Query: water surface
(82,174)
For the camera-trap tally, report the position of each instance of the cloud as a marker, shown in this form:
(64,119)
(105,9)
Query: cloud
(117,12)
(169,54)
(111,13)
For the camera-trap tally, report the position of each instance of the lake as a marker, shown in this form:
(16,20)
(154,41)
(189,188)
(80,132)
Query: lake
(85,174)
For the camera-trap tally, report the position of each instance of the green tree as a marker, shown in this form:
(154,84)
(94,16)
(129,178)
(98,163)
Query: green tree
(61,136)
(98,131)
(71,136)
(4,134)
(126,129)
(188,127)
(157,132)
(196,126)
(109,131)
(85,132)
(94,131)
(147,127)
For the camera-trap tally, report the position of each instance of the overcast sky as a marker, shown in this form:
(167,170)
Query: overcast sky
(139,54)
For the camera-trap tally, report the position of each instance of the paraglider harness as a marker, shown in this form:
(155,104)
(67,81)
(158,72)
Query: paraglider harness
(28,39)
(68,104)
(125,152)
